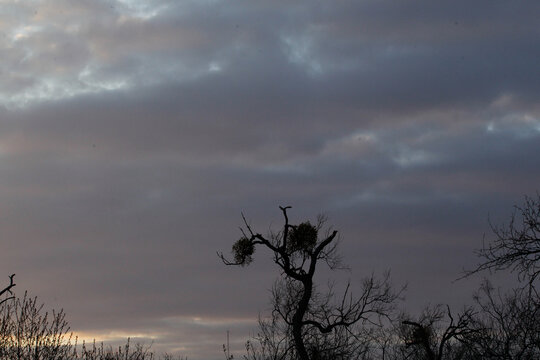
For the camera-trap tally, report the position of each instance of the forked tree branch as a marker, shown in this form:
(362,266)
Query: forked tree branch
(7,289)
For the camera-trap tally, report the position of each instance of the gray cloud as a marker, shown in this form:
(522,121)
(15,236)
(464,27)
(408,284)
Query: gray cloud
(134,134)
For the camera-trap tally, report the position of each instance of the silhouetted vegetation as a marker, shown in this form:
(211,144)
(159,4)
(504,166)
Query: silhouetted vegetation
(510,323)
(7,290)
(516,246)
(29,332)
(306,324)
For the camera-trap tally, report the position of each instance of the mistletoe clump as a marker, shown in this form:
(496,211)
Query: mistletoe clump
(243,250)
(302,237)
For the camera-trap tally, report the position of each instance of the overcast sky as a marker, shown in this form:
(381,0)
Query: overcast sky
(133,133)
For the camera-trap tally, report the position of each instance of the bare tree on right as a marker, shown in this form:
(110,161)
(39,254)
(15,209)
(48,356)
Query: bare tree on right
(516,246)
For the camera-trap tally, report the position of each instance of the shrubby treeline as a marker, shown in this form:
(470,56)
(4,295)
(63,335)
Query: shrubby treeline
(30,332)
(307,323)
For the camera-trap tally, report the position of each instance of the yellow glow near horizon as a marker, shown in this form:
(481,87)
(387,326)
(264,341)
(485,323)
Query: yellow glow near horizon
(111,336)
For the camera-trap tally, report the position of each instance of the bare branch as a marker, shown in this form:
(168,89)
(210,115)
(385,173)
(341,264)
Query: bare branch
(7,289)
(428,336)
(516,246)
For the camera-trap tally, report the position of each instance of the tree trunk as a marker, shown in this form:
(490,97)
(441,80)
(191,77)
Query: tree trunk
(298,319)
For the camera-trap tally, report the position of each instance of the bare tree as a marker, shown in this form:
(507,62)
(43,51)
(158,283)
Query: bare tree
(510,319)
(438,334)
(318,325)
(508,324)
(517,244)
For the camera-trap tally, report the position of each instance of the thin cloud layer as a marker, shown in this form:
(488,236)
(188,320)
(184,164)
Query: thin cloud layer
(134,133)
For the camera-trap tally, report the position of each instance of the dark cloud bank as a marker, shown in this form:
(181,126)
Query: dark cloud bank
(407,123)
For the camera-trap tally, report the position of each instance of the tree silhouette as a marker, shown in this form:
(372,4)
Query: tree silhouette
(517,244)
(508,324)
(318,326)
(510,321)
(27,331)
(438,334)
